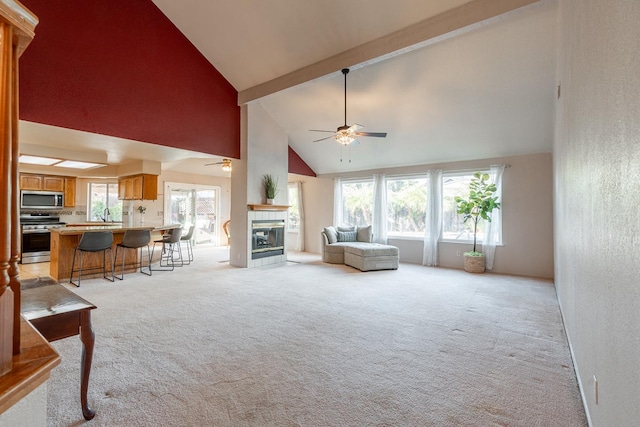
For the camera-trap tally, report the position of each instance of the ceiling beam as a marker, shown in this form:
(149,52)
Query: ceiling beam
(431,30)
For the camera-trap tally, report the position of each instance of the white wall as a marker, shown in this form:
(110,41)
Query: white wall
(264,150)
(527,213)
(317,197)
(597,171)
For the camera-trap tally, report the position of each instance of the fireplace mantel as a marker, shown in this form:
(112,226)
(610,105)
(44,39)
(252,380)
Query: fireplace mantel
(268,207)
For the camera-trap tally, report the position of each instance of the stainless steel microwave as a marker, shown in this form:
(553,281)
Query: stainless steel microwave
(41,199)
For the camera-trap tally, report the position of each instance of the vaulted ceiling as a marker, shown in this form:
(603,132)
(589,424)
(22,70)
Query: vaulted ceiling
(478,92)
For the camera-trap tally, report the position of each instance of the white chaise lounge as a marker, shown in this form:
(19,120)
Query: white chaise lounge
(353,247)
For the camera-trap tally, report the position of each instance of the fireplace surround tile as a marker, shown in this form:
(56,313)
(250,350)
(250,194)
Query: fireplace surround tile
(256,215)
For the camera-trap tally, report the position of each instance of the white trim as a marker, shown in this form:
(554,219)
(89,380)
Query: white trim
(573,360)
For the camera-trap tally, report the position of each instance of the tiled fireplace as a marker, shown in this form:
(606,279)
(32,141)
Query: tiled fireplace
(267,233)
(267,238)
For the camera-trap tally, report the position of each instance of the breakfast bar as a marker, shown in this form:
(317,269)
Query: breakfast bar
(65,239)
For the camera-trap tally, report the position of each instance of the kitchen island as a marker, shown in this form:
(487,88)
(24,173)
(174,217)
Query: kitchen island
(65,239)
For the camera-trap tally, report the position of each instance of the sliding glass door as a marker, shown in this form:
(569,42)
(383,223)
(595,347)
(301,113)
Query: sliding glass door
(189,204)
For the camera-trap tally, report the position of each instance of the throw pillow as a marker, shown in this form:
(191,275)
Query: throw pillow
(347,236)
(346,229)
(332,236)
(364,234)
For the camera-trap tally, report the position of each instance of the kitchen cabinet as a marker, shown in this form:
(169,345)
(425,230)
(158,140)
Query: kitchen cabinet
(41,182)
(66,184)
(138,187)
(52,183)
(69,192)
(30,182)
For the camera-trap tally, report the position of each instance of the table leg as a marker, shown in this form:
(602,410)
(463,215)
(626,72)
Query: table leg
(87,337)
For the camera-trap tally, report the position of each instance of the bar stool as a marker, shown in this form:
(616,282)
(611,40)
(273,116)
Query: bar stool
(187,238)
(93,241)
(135,239)
(170,245)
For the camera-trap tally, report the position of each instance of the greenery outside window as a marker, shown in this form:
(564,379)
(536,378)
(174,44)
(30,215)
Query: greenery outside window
(357,203)
(406,206)
(103,195)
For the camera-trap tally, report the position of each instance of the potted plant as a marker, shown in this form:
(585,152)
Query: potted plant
(270,187)
(480,202)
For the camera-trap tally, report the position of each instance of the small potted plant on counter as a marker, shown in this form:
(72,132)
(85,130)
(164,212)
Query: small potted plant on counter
(480,202)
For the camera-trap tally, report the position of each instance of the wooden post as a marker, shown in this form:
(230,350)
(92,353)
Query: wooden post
(14,269)
(6,293)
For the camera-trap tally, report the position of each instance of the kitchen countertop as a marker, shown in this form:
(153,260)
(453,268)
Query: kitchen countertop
(72,229)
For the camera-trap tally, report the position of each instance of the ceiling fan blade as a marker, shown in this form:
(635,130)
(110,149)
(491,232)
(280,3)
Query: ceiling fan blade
(210,164)
(374,134)
(318,130)
(322,139)
(354,127)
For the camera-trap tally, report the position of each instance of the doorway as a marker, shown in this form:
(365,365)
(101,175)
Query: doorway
(189,204)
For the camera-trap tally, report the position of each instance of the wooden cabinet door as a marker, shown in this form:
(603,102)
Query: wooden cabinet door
(53,183)
(30,182)
(125,188)
(137,187)
(69,192)
(122,189)
(150,187)
(128,184)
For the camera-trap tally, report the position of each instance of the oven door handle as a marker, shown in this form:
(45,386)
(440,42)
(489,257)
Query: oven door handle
(42,230)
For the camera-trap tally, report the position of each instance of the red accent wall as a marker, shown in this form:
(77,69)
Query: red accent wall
(299,166)
(121,68)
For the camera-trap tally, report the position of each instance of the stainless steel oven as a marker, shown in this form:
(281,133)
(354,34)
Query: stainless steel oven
(36,245)
(36,237)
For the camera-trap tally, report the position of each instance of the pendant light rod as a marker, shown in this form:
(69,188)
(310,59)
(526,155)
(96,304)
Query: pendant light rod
(345,71)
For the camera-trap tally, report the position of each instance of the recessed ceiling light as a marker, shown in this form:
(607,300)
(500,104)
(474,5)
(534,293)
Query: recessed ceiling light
(34,160)
(77,165)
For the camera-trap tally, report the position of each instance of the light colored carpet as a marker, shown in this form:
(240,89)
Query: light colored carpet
(313,344)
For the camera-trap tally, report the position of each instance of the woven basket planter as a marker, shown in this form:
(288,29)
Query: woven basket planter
(474,264)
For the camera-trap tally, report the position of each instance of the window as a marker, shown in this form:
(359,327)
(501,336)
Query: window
(453,227)
(103,196)
(406,206)
(294,215)
(357,203)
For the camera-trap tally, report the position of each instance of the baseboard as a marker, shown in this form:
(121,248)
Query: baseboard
(575,363)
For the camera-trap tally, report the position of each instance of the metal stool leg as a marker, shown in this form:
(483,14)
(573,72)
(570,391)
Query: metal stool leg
(149,265)
(73,263)
(116,260)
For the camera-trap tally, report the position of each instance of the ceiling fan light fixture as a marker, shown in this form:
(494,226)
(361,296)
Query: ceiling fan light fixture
(345,137)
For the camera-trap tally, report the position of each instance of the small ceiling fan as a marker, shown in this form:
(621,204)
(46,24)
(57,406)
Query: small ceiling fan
(226,164)
(345,134)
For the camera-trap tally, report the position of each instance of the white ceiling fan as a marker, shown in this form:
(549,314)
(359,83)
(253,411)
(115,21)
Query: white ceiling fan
(347,134)
(226,164)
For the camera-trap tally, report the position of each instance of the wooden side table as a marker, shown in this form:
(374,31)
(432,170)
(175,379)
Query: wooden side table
(56,312)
